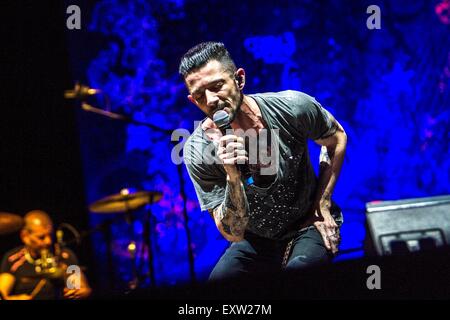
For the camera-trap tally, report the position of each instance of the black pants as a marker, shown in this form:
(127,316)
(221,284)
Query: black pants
(255,255)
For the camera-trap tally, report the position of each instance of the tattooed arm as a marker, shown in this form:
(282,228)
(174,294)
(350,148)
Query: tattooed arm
(231,216)
(331,159)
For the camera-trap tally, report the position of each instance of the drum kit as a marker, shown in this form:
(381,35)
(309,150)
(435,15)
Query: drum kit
(10,223)
(124,203)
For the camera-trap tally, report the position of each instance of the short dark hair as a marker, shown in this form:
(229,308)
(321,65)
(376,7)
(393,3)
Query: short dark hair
(201,54)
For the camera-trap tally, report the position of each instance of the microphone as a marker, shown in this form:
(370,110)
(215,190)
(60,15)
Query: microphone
(80,92)
(222,120)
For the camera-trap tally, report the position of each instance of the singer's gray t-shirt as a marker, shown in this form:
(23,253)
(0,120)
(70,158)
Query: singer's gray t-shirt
(276,209)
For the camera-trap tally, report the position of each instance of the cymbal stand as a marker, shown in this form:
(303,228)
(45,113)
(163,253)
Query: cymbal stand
(147,235)
(134,283)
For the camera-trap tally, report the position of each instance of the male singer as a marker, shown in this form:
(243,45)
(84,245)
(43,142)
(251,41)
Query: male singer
(282,220)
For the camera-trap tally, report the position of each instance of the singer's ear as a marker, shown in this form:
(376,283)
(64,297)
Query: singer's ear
(240,76)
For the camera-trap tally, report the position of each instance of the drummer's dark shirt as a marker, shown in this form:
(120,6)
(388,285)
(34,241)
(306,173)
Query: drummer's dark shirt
(27,277)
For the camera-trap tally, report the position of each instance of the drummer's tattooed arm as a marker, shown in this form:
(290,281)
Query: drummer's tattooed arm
(231,216)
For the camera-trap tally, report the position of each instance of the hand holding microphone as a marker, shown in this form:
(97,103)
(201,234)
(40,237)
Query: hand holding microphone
(231,149)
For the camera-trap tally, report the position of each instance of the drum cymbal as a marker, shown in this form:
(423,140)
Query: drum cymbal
(10,223)
(125,201)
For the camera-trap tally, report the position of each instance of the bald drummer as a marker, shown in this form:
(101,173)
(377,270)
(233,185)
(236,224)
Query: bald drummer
(37,270)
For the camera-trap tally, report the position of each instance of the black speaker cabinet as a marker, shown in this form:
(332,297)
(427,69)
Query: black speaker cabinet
(403,226)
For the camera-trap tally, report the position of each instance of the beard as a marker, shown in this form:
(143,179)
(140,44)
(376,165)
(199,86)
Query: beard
(234,112)
(227,107)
